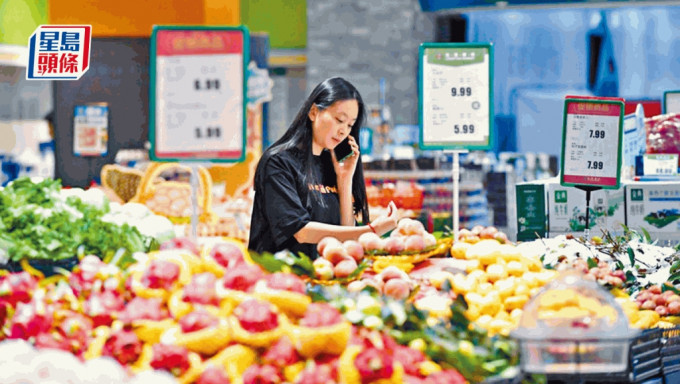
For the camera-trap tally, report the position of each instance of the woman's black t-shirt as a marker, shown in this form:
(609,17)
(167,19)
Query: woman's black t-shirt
(284,204)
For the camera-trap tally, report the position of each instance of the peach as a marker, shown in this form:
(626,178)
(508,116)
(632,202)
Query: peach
(408,226)
(345,268)
(414,243)
(335,253)
(501,237)
(370,241)
(356,286)
(354,249)
(321,246)
(394,245)
(488,232)
(397,288)
(477,229)
(374,282)
(323,269)
(391,272)
(429,240)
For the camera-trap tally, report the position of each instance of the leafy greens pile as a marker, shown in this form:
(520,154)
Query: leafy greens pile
(39,222)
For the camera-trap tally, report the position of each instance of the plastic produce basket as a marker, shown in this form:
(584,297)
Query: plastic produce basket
(670,350)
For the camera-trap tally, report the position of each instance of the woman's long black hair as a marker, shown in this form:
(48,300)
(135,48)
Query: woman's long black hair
(299,135)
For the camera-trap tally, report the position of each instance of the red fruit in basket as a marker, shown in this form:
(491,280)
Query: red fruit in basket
(172,358)
(201,289)
(414,243)
(449,376)
(326,241)
(648,304)
(320,315)
(370,241)
(661,310)
(398,289)
(335,253)
(409,358)
(160,274)
(181,243)
(394,245)
(477,230)
(674,308)
(227,254)
(242,278)
(655,289)
(17,287)
(30,319)
(488,232)
(281,354)
(660,300)
(124,346)
(261,374)
(143,309)
(392,272)
(197,320)
(354,249)
(213,375)
(286,282)
(345,268)
(374,364)
(256,316)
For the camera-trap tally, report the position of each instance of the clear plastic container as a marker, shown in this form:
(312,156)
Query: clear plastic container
(573,326)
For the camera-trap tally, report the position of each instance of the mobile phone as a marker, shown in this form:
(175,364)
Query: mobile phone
(343,150)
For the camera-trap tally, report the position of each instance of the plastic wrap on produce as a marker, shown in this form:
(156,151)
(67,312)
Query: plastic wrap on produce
(663,133)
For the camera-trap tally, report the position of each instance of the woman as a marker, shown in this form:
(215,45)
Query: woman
(302,192)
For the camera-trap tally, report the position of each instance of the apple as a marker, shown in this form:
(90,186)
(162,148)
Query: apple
(414,243)
(354,249)
(323,269)
(180,243)
(335,253)
(394,245)
(345,268)
(321,246)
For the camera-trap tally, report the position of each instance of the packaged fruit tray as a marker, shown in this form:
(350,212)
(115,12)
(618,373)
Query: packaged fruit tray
(644,363)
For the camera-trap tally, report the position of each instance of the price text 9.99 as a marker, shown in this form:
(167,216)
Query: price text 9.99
(462,91)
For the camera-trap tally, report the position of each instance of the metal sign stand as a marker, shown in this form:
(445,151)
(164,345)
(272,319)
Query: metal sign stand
(456,191)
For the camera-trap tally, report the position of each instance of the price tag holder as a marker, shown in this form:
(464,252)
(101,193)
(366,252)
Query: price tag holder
(671,102)
(660,165)
(91,129)
(456,96)
(198,93)
(591,142)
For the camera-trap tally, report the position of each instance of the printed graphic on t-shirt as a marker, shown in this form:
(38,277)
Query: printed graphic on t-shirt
(322,188)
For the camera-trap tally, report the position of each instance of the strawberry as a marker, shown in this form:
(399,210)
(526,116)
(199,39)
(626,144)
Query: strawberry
(213,375)
(286,282)
(281,354)
(160,274)
(261,374)
(172,358)
(124,346)
(374,364)
(321,315)
(256,316)
(242,278)
(201,289)
(197,320)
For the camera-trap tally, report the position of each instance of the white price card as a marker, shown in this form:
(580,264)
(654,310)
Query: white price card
(591,142)
(660,164)
(198,93)
(456,103)
(671,102)
(91,130)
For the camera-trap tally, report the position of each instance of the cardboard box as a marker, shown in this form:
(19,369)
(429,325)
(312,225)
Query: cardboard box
(654,206)
(567,210)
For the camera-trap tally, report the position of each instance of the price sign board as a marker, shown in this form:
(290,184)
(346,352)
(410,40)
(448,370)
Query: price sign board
(671,102)
(591,142)
(456,99)
(198,93)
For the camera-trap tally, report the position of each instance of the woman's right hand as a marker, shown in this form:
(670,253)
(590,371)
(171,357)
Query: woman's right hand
(386,222)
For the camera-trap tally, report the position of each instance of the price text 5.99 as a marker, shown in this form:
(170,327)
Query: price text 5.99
(465,128)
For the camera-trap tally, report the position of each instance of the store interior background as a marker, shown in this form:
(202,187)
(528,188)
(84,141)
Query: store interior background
(542,52)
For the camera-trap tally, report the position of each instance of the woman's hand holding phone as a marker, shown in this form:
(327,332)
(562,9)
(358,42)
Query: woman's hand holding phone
(345,158)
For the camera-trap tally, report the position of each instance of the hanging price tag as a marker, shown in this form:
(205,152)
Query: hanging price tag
(198,93)
(591,142)
(671,102)
(456,104)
